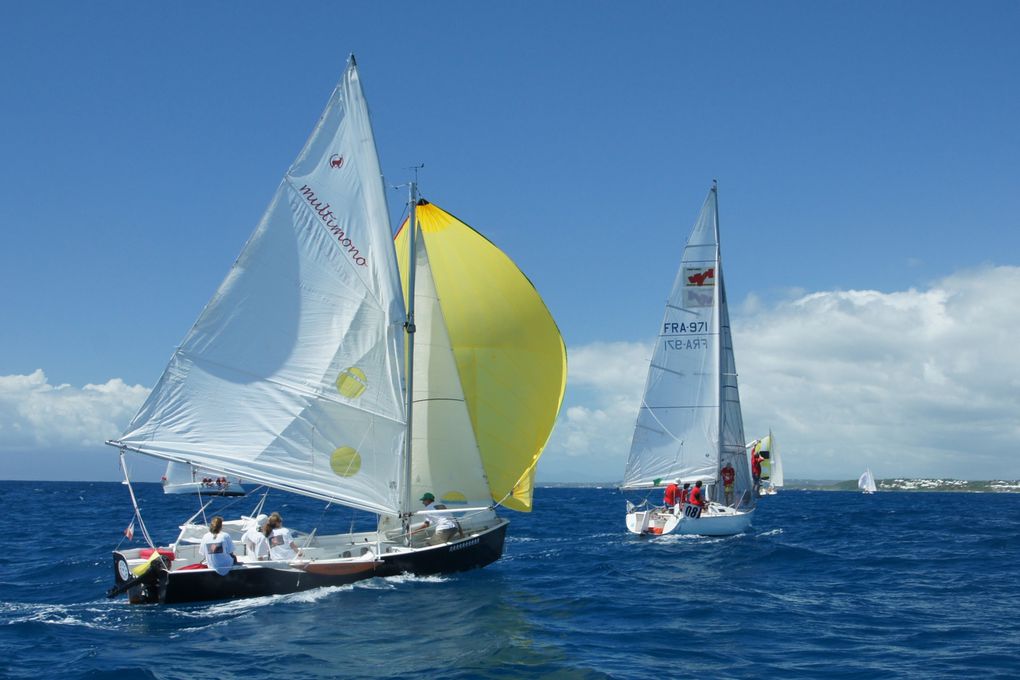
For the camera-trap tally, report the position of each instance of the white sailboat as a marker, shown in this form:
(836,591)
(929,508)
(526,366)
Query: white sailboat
(181,478)
(306,372)
(866,482)
(689,426)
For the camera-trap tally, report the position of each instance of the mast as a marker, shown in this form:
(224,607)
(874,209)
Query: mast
(412,265)
(719,335)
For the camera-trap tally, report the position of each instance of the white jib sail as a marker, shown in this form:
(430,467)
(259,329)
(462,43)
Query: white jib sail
(676,436)
(444,451)
(291,375)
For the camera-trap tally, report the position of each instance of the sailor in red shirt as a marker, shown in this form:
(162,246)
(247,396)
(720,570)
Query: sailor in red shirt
(685,493)
(696,502)
(728,474)
(671,497)
(756,459)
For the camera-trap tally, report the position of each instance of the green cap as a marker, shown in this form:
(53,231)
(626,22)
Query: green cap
(428,497)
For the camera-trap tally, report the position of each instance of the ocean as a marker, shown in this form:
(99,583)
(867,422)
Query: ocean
(824,585)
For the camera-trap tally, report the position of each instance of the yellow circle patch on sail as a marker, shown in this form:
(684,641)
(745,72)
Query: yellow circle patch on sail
(453,497)
(352,382)
(345,461)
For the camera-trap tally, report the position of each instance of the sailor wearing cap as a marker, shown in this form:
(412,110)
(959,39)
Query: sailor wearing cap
(444,523)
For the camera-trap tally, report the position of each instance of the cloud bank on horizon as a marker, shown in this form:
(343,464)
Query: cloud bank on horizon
(915,383)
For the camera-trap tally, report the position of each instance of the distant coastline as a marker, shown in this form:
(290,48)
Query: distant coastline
(898,484)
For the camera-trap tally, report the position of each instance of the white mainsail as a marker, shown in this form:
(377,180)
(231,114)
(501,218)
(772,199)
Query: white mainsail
(690,423)
(291,375)
(777,480)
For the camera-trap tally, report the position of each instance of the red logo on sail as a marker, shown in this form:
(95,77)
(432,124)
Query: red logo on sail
(336,161)
(701,278)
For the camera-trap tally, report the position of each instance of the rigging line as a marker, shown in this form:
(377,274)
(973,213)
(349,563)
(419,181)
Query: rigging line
(134,501)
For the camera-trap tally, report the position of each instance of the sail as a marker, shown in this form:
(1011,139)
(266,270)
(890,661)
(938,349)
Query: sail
(690,422)
(775,460)
(442,424)
(866,483)
(731,421)
(509,358)
(180,473)
(290,377)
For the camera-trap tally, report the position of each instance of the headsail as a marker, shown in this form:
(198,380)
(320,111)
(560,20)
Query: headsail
(507,354)
(291,375)
(689,423)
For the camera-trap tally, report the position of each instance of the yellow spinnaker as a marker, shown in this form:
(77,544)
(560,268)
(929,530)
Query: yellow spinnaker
(509,352)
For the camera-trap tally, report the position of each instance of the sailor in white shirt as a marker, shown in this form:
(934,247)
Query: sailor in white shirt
(281,541)
(255,542)
(446,526)
(217,547)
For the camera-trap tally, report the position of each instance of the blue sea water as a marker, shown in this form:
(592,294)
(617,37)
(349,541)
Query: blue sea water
(825,584)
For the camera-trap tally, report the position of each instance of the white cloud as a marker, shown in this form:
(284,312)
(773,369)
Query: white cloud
(37,415)
(592,435)
(912,383)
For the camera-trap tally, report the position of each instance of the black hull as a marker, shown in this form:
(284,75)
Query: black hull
(159,585)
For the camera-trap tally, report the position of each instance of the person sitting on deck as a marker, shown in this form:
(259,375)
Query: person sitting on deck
(217,547)
(281,540)
(696,502)
(256,544)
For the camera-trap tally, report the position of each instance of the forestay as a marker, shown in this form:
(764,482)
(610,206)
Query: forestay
(291,375)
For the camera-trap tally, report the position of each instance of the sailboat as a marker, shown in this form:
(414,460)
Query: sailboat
(771,465)
(181,478)
(866,483)
(689,426)
(322,367)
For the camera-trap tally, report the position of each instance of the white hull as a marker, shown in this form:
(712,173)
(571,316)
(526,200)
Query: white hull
(715,521)
(204,489)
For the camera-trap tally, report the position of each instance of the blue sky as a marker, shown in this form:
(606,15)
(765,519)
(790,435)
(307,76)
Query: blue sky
(869,199)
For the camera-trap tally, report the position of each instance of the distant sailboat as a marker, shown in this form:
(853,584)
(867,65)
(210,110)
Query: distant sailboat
(303,374)
(690,426)
(181,478)
(771,465)
(867,482)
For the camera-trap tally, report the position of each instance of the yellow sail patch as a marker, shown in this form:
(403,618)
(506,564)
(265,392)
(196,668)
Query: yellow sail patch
(510,356)
(352,382)
(345,461)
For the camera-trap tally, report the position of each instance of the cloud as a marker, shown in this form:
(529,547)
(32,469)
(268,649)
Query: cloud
(37,415)
(592,435)
(912,383)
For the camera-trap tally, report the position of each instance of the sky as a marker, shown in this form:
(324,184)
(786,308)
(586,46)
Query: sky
(869,193)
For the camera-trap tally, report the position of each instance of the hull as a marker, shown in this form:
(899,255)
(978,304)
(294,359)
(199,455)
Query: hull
(197,488)
(717,521)
(165,585)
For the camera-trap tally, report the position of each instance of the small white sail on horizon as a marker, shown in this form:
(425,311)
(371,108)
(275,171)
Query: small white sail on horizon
(866,482)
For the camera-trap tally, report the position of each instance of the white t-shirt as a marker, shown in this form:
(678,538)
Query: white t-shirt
(217,551)
(279,544)
(439,519)
(256,542)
